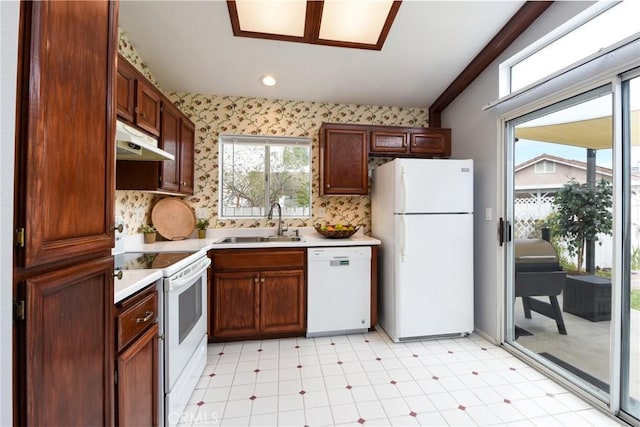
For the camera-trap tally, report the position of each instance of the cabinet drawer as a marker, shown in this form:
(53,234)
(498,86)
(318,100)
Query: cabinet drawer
(136,318)
(259,259)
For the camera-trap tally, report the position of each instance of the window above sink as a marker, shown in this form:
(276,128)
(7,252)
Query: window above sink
(257,171)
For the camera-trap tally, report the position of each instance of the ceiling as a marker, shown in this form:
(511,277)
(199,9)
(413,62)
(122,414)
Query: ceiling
(189,46)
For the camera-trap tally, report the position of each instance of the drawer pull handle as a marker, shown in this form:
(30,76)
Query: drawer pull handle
(147,316)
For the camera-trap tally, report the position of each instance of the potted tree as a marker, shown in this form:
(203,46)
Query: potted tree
(581,212)
(149,232)
(202,225)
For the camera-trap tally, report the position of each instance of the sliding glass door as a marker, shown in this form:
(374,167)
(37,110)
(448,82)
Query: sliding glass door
(572,266)
(630,301)
(561,256)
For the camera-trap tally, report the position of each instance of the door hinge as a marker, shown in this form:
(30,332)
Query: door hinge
(18,310)
(115,377)
(19,237)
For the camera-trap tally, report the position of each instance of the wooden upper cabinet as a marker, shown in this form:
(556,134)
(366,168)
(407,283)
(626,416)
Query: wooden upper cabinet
(187,156)
(343,160)
(126,90)
(138,101)
(176,135)
(178,138)
(431,141)
(391,141)
(68,344)
(170,142)
(66,126)
(148,104)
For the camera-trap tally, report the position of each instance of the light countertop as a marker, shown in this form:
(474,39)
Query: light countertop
(135,280)
(311,238)
(132,281)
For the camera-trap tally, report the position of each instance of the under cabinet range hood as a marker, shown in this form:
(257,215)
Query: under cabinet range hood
(132,144)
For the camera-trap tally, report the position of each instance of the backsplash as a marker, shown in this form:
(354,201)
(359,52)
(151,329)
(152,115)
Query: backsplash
(214,114)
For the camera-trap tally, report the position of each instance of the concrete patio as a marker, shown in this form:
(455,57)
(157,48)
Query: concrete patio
(585,347)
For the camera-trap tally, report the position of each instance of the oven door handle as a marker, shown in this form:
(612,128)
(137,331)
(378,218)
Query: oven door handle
(187,280)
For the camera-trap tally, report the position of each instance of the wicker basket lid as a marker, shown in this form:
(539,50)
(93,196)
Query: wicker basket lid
(173,218)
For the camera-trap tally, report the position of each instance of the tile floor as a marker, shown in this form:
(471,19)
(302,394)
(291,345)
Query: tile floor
(367,380)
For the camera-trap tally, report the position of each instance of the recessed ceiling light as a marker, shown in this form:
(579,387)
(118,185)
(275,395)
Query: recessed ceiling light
(269,80)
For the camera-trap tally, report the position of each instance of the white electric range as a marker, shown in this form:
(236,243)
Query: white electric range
(182,324)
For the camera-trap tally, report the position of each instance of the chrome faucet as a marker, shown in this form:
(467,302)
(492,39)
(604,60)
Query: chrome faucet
(270,216)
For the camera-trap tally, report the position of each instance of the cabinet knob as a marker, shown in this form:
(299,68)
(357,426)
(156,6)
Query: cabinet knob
(118,274)
(143,115)
(262,280)
(255,280)
(119,228)
(328,185)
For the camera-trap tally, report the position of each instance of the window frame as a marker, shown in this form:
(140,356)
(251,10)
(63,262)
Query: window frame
(267,142)
(506,67)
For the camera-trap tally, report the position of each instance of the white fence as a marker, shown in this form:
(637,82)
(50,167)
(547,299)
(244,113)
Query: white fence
(257,212)
(529,210)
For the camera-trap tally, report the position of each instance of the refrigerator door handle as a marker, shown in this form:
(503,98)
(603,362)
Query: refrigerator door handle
(403,247)
(405,189)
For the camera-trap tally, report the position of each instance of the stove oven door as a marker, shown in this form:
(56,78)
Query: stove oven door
(185,318)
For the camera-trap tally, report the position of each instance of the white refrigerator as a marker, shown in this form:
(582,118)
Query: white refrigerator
(422,211)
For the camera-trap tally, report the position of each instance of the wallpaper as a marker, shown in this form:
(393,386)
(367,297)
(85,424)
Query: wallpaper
(213,115)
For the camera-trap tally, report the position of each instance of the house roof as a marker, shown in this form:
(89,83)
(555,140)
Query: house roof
(561,160)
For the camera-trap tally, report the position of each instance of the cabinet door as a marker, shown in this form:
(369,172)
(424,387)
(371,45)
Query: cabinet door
(170,142)
(282,301)
(66,123)
(344,161)
(148,107)
(237,304)
(389,141)
(68,346)
(137,389)
(434,142)
(187,145)
(125,90)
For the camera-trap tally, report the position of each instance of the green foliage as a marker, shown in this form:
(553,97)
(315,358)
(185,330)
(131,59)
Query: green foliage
(635,299)
(581,212)
(635,259)
(202,223)
(145,228)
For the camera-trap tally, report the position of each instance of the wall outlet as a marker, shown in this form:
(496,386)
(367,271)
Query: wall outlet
(202,213)
(322,212)
(488,214)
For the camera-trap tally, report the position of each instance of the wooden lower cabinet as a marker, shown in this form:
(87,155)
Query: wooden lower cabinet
(282,301)
(237,304)
(66,346)
(137,370)
(137,389)
(258,293)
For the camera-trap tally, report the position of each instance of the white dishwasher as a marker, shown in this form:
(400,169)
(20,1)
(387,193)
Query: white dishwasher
(338,290)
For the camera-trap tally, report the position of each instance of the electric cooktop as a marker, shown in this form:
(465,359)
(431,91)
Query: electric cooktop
(144,261)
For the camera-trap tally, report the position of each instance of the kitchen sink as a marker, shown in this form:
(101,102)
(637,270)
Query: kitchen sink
(260,239)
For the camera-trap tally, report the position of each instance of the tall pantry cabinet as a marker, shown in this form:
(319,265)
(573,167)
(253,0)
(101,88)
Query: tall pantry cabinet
(64,214)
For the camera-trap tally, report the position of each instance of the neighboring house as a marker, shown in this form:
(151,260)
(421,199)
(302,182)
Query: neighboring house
(538,179)
(547,174)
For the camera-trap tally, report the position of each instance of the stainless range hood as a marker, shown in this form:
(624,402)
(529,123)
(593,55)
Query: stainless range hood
(132,144)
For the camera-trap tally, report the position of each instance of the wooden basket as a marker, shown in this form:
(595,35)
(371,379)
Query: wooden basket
(337,234)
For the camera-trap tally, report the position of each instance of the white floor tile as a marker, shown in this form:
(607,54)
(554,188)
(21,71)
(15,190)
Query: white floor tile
(367,380)
(347,413)
(395,407)
(291,418)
